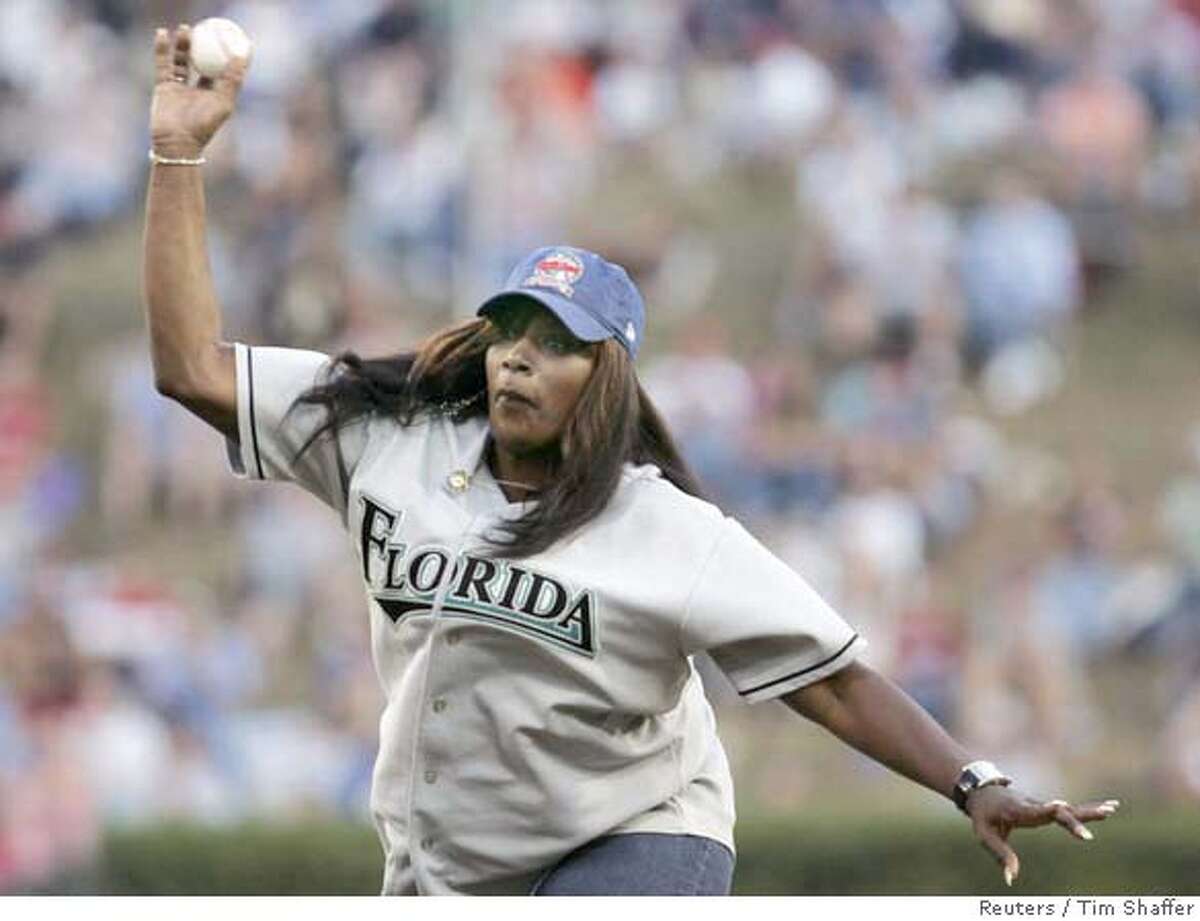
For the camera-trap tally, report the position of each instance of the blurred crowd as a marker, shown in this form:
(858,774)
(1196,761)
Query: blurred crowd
(965,180)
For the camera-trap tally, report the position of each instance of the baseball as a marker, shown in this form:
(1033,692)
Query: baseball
(214,42)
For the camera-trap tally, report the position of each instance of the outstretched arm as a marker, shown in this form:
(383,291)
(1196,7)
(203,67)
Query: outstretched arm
(869,712)
(191,363)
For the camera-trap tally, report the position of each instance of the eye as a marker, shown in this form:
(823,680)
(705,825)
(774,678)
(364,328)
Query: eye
(507,326)
(560,344)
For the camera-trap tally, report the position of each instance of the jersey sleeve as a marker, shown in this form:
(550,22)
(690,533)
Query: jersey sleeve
(765,627)
(272,426)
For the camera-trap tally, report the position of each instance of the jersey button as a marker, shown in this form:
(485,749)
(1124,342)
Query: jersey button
(439,705)
(431,777)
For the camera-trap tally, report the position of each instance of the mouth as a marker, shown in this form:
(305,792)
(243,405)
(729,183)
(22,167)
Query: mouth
(508,397)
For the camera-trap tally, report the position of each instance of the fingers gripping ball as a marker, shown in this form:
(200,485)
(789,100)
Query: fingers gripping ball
(215,42)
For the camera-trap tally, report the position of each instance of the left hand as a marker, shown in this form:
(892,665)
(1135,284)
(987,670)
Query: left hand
(995,811)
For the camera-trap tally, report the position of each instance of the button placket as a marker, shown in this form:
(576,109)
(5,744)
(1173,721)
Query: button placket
(437,704)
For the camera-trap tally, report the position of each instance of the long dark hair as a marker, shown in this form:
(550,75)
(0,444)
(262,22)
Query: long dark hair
(614,422)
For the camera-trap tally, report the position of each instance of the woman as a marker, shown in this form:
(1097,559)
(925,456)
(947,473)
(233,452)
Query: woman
(540,571)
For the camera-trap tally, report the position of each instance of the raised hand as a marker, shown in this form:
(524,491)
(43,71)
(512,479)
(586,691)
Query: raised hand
(995,811)
(185,116)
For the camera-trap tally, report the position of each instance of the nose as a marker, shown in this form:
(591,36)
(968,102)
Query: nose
(518,356)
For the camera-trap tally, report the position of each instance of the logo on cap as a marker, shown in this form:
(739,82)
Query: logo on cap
(560,271)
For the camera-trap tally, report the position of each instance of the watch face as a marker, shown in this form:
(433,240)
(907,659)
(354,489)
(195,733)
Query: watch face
(973,776)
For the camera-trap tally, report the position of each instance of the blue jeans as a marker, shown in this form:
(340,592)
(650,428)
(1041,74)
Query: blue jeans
(642,864)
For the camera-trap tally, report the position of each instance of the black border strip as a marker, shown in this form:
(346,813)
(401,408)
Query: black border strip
(763,687)
(253,425)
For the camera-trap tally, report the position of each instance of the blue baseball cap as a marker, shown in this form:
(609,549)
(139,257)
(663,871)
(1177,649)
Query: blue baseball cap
(594,298)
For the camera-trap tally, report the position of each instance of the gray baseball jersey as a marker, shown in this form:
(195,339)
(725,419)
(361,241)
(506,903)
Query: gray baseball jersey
(535,704)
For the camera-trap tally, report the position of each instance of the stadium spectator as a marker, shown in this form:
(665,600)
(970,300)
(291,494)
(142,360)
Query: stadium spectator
(1019,266)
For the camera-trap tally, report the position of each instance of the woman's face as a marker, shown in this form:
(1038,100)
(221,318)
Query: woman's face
(535,374)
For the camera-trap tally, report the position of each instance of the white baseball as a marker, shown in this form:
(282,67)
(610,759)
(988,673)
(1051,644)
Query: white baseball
(214,42)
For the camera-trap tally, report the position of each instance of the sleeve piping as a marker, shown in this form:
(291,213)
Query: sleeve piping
(253,423)
(791,676)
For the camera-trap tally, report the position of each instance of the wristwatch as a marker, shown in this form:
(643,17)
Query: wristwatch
(973,776)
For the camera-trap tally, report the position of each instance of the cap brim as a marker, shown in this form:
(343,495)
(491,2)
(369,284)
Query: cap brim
(581,323)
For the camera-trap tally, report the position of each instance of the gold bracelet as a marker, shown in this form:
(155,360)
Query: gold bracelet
(175,161)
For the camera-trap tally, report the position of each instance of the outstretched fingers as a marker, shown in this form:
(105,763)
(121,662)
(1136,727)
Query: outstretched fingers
(994,819)
(995,844)
(1097,811)
(1061,812)
(1072,817)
